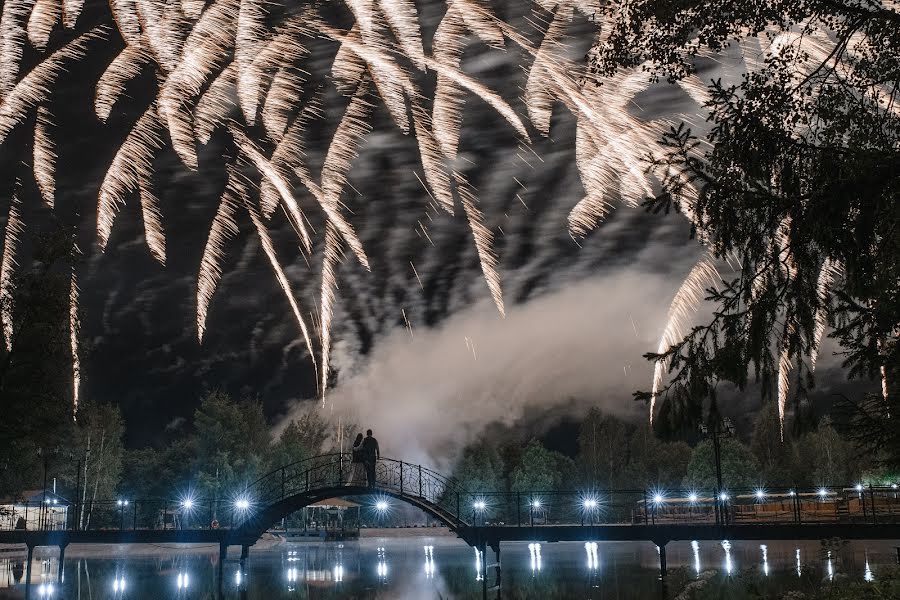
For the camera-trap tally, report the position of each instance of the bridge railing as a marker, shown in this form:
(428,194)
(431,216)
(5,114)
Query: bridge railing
(854,504)
(413,482)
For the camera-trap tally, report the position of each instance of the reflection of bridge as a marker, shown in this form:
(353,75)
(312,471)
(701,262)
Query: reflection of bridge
(484,520)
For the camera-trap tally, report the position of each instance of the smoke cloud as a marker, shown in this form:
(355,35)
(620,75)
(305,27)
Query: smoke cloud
(427,392)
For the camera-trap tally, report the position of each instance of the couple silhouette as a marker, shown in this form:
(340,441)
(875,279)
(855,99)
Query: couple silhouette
(365,455)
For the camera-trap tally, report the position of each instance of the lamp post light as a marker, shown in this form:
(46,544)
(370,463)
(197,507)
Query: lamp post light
(122,504)
(241,506)
(187,506)
(381,507)
(478,507)
(534,505)
(590,505)
(719,430)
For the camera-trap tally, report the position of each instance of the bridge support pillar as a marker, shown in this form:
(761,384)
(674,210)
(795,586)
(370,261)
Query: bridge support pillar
(223,555)
(245,552)
(62,562)
(28,571)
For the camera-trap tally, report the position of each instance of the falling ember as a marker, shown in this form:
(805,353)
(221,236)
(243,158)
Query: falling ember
(416,273)
(406,320)
(74,329)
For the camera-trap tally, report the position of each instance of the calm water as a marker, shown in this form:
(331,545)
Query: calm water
(423,568)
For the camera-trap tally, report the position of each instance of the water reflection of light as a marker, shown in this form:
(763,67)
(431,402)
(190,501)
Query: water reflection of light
(729,566)
(535,550)
(45,590)
(593,561)
(119,584)
(867,574)
(381,568)
(695,546)
(338,573)
(830,567)
(183,581)
(765,558)
(429,562)
(478,557)
(799,568)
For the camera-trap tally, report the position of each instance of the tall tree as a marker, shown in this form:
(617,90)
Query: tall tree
(740,469)
(232,441)
(36,379)
(794,178)
(602,448)
(302,438)
(537,471)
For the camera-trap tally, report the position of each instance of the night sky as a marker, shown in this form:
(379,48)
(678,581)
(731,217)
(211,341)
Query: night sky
(579,315)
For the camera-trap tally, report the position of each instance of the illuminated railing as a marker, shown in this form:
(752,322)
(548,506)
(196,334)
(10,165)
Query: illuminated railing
(285,489)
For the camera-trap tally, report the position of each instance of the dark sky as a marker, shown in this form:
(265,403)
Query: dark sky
(579,317)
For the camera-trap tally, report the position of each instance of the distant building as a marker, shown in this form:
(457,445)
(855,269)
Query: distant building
(34,510)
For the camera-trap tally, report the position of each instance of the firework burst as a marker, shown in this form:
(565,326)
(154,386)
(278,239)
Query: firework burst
(240,66)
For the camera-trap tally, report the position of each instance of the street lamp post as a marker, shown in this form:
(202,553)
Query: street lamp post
(720,429)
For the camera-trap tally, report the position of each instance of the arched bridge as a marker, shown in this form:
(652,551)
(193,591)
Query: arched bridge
(294,486)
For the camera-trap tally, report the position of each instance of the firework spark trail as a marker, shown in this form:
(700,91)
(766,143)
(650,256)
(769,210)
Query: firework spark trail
(686,302)
(330,260)
(287,86)
(131,167)
(44,156)
(71,10)
(279,180)
(215,104)
(830,271)
(34,87)
(250,33)
(152,217)
(8,264)
(404,22)
(208,41)
(162,32)
(538,88)
(392,82)
(782,245)
(241,190)
(347,67)
(74,331)
(127,65)
(290,155)
(432,163)
(224,227)
(343,149)
(192,9)
(125,16)
(483,240)
(446,111)
(480,21)
(12,42)
(44,16)
(493,99)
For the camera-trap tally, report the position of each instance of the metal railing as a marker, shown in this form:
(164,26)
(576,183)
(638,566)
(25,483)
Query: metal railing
(285,489)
